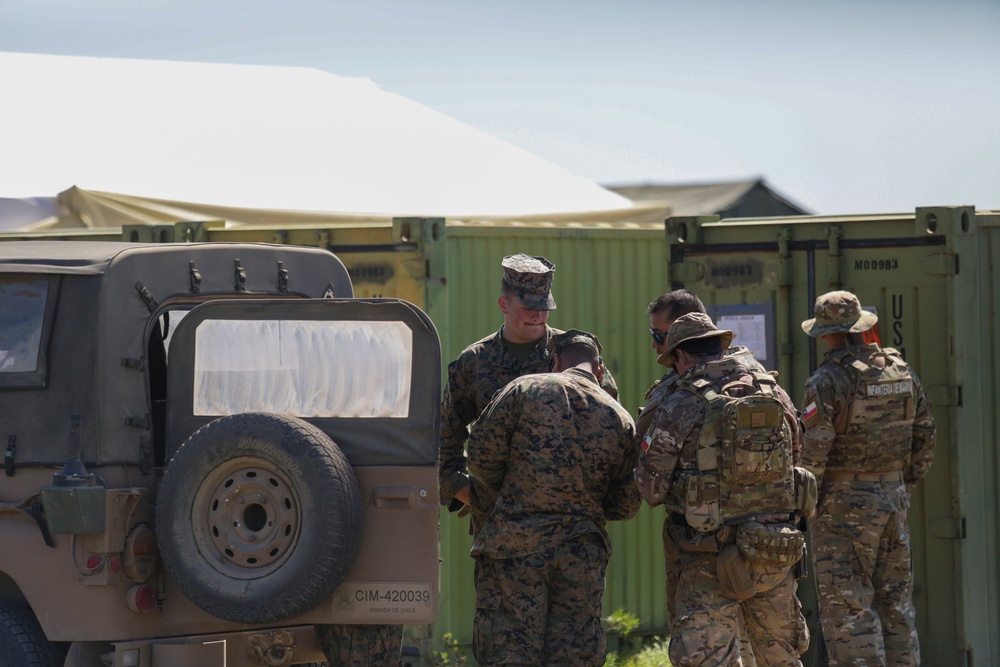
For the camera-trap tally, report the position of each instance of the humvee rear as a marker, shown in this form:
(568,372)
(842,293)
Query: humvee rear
(210,448)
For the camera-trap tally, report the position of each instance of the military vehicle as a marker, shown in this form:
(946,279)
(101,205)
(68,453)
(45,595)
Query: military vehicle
(210,448)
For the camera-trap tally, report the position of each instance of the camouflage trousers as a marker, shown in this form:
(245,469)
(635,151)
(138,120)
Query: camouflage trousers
(671,567)
(714,630)
(542,609)
(361,645)
(864,580)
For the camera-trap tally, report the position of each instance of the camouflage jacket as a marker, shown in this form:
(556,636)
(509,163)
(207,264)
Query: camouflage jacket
(480,371)
(827,417)
(669,451)
(654,396)
(551,458)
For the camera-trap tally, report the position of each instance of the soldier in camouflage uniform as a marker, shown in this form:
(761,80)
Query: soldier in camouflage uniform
(551,460)
(361,645)
(733,511)
(662,312)
(520,347)
(869,438)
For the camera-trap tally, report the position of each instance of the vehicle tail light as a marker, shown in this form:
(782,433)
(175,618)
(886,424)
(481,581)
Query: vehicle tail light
(141,598)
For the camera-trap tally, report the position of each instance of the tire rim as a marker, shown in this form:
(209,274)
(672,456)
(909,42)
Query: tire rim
(252,518)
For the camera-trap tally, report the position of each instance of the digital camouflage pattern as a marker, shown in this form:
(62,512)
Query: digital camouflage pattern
(479,372)
(710,626)
(551,460)
(361,645)
(560,341)
(544,608)
(530,279)
(869,438)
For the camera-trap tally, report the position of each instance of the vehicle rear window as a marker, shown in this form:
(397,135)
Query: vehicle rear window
(22,320)
(306,368)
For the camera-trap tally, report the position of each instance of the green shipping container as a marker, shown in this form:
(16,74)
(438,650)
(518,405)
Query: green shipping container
(932,279)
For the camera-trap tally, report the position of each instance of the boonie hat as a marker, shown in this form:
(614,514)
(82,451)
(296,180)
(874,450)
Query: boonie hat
(560,341)
(530,278)
(838,311)
(691,327)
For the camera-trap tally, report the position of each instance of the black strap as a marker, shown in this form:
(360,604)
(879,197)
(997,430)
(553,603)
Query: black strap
(8,457)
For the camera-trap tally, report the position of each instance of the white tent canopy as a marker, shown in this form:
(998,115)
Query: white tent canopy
(254,137)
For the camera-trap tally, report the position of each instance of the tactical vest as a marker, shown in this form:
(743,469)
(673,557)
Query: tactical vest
(876,433)
(744,456)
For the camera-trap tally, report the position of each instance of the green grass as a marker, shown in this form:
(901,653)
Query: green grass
(634,652)
(651,655)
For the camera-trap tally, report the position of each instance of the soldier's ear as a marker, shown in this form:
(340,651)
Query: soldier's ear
(599,369)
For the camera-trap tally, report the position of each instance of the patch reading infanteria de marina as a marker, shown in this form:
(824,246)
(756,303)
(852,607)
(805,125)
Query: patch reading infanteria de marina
(891,388)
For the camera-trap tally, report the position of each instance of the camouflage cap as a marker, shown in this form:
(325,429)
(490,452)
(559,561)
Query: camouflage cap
(530,278)
(691,327)
(558,342)
(838,311)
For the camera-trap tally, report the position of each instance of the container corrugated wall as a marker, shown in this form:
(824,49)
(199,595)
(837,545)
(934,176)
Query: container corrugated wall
(932,280)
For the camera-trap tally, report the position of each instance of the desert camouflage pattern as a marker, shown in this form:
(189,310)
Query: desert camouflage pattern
(543,608)
(361,645)
(671,450)
(865,410)
(868,461)
(654,396)
(643,426)
(551,460)
(710,626)
(838,312)
(479,372)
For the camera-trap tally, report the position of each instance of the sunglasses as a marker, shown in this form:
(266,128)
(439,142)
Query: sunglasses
(659,338)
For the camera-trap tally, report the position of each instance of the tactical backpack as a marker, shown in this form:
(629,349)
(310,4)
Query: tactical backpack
(745,466)
(876,432)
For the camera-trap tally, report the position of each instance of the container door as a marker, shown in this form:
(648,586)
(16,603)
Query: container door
(761,277)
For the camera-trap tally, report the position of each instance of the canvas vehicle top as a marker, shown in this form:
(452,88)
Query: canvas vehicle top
(210,440)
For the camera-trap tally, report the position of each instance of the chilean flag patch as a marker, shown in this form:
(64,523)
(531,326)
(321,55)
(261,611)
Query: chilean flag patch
(809,412)
(645,443)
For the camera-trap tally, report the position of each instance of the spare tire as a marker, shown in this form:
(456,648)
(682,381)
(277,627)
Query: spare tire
(258,517)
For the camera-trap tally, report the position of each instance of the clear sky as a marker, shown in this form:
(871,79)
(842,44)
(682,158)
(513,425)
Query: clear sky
(844,106)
